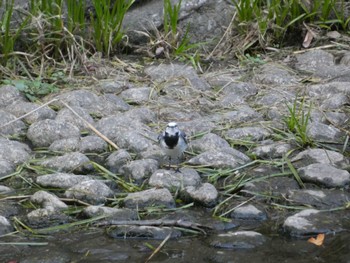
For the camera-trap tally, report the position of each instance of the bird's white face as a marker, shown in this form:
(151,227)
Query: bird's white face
(172,129)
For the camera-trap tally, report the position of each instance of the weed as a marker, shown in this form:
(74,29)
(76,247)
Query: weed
(171,16)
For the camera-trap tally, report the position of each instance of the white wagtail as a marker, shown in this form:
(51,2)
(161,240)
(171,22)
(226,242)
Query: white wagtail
(173,141)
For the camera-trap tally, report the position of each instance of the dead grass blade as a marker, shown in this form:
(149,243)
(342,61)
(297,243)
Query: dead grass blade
(158,248)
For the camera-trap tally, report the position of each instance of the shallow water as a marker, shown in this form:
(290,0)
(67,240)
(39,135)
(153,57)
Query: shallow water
(96,246)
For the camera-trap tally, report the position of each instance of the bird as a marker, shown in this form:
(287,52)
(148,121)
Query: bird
(173,141)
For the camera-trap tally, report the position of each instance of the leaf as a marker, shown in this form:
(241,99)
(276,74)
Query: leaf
(318,241)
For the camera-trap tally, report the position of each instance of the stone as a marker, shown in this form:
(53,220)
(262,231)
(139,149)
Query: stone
(47,200)
(61,180)
(173,180)
(117,159)
(251,133)
(46,217)
(325,133)
(137,95)
(8,95)
(239,89)
(149,198)
(14,152)
(324,174)
(328,89)
(144,232)
(248,212)
(120,214)
(241,114)
(92,144)
(4,190)
(69,162)
(272,73)
(65,145)
(44,133)
(207,142)
(316,155)
(237,240)
(5,226)
(66,115)
(205,194)
(92,191)
(6,168)
(335,102)
(271,150)
(139,170)
(116,85)
(10,126)
(118,102)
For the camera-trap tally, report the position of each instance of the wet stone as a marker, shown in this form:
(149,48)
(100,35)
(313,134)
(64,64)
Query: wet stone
(310,156)
(61,256)
(66,115)
(324,174)
(61,180)
(117,159)
(92,144)
(137,95)
(319,199)
(248,212)
(45,217)
(148,198)
(21,108)
(43,133)
(14,152)
(5,226)
(139,170)
(111,212)
(174,180)
(47,200)
(252,133)
(69,162)
(93,192)
(144,232)
(238,240)
(325,133)
(205,194)
(14,128)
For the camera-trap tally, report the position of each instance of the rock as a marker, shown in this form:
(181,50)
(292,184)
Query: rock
(19,109)
(335,102)
(14,152)
(311,222)
(276,98)
(209,141)
(248,212)
(271,150)
(69,162)
(93,192)
(61,180)
(139,170)
(59,255)
(139,116)
(46,217)
(310,156)
(65,145)
(4,190)
(242,114)
(66,115)
(272,73)
(6,168)
(115,86)
(148,198)
(5,226)
(120,214)
(47,200)
(117,159)
(43,133)
(144,232)
(324,174)
(238,240)
(217,159)
(328,89)
(137,95)
(251,133)
(92,144)
(118,102)
(10,127)
(239,89)
(199,125)
(319,199)
(8,95)
(325,133)
(205,194)
(173,180)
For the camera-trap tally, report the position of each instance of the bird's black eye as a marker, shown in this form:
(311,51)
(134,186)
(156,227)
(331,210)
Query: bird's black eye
(166,133)
(176,134)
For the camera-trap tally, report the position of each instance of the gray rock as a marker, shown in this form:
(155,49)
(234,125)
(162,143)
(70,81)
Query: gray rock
(93,192)
(270,149)
(61,180)
(205,194)
(199,125)
(337,118)
(278,98)
(8,95)
(118,102)
(4,190)
(14,152)
(6,168)
(328,89)
(115,86)
(239,89)
(140,115)
(19,109)
(251,133)
(5,226)
(272,73)
(9,127)
(173,180)
(68,162)
(139,170)
(144,232)
(335,102)
(310,156)
(324,174)
(248,212)
(207,142)
(92,144)
(67,116)
(242,114)
(311,221)
(166,72)
(153,152)
(65,145)
(231,100)
(138,95)
(47,200)
(319,199)
(217,159)
(43,133)
(148,198)
(120,214)
(59,255)
(325,133)
(238,240)
(46,217)
(117,159)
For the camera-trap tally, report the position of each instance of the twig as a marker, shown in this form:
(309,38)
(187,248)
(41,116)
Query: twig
(90,126)
(158,248)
